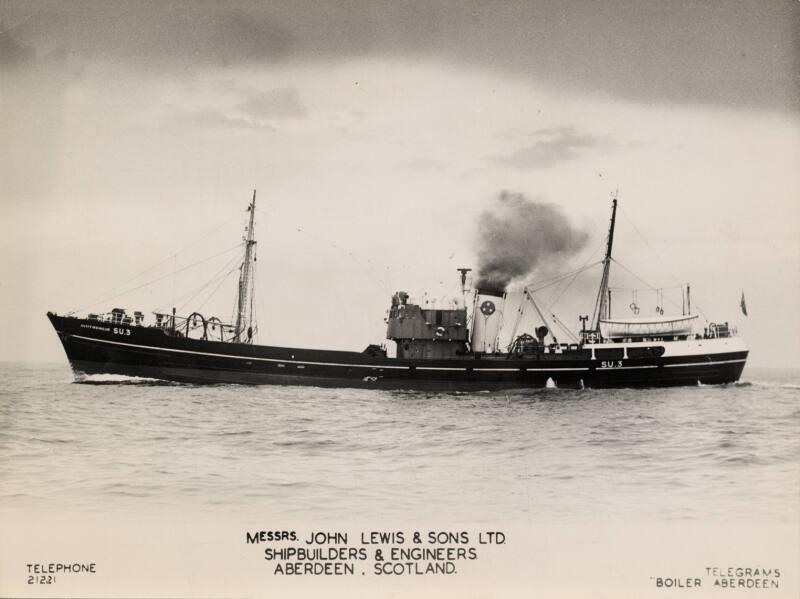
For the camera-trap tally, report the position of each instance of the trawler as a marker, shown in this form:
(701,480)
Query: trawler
(439,349)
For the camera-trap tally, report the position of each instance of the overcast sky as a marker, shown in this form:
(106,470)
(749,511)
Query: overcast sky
(376,133)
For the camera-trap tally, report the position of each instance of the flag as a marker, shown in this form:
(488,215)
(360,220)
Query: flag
(743,305)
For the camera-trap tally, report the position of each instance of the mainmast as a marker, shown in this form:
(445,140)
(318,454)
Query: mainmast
(244,304)
(601,305)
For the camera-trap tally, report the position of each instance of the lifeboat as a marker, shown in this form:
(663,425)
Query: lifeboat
(658,326)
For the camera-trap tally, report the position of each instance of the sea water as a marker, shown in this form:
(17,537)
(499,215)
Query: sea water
(627,493)
(118,444)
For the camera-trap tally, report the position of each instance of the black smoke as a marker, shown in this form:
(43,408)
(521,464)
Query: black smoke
(519,237)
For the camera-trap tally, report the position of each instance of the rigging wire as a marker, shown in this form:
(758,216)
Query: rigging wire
(551,302)
(222,280)
(22,22)
(172,257)
(529,290)
(518,319)
(568,285)
(663,264)
(191,295)
(637,277)
(651,248)
(148,283)
(636,288)
(548,282)
(369,269)
(564,328)
(648,285)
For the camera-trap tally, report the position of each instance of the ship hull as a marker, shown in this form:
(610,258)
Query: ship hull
(95,347)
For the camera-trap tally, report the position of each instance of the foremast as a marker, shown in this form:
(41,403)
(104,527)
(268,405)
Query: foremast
(601,304)
(245,322)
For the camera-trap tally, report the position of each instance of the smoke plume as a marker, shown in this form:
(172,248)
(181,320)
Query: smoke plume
(520,237)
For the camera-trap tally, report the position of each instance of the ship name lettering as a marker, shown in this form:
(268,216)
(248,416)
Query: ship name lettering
(611,364)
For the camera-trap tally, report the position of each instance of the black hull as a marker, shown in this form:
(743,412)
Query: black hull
(94,347)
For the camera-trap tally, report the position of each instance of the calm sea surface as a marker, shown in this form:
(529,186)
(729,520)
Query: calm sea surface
(126,445)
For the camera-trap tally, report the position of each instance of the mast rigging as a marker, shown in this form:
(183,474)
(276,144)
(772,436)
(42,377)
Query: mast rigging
(601,304)
(244,308)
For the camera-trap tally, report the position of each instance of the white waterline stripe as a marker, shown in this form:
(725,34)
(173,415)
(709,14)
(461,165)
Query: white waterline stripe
(555,369)
(284,360)
(705,363)
(200,353)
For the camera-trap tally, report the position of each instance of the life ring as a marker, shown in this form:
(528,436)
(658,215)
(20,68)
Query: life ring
(440,331)
(487,308)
